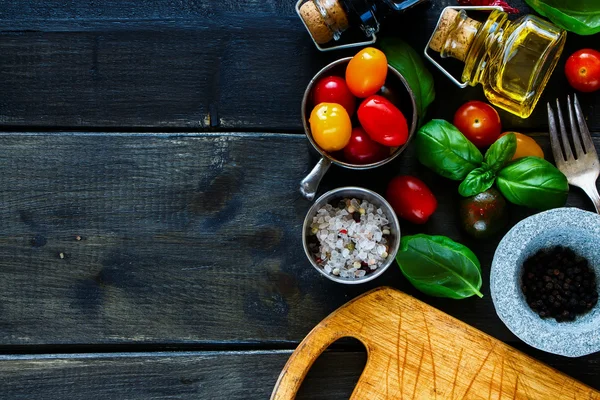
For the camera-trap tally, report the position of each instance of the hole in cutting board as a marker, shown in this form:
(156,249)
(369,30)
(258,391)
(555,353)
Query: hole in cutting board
(336,372)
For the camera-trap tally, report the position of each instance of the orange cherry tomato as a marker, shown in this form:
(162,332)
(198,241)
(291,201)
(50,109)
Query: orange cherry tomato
(330,126)
(366,72)
(526,146)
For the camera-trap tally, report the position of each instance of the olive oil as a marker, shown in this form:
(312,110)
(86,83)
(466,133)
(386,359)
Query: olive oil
(512,60)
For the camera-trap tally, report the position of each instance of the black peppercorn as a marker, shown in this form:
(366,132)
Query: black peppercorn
(559,284)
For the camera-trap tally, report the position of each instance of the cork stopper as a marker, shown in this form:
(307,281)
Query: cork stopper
(325,19)
(454,34)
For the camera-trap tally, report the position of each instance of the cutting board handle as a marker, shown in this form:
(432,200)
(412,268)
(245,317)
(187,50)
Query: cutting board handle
(339,324)
(315,343)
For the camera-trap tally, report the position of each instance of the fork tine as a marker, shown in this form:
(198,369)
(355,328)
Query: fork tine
(559,158)
(588,144)
(563,134)
(574,130)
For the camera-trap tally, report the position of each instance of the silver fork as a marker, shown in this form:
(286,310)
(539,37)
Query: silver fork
(583,168)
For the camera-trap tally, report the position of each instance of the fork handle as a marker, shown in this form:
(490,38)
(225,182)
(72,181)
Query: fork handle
(592,192)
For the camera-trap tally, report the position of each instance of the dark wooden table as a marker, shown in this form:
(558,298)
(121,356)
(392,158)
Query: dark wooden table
(150,157)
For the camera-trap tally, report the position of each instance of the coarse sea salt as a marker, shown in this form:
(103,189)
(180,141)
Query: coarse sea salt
(346,247)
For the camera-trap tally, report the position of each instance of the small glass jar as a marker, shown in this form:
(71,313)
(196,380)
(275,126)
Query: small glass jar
(327,20)
(512,60)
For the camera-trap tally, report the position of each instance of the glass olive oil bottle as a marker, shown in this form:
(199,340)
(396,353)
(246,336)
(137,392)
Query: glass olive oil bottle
(512,60)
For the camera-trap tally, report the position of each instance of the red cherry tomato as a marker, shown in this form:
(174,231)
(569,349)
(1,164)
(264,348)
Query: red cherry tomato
(479,122)
(361,149)
(333,89)
(383,122)
(583,70)
(411,199)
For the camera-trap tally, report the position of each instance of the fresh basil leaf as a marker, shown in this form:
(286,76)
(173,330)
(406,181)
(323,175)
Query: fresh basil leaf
(408,62)
(438,266)
(579,16)
(501,152)
(441,147)
(479,180)
(533,182)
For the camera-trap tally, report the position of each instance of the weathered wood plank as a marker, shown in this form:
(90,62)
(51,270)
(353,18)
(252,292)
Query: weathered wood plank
(189,65)
(207,74)
(197,375)
(168,239)
(192,64)
(131,9)
(194,375)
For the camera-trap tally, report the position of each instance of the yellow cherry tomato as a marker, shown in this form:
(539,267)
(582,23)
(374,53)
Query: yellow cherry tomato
(526,146)
(366,72)
(330,126)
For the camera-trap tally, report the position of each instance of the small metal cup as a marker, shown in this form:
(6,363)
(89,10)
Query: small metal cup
(395,82)
(360,194)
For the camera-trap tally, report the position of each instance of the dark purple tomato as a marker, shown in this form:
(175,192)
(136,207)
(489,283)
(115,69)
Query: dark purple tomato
(483,215)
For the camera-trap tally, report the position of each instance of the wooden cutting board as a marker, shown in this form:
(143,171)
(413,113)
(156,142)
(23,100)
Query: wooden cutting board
(417,352)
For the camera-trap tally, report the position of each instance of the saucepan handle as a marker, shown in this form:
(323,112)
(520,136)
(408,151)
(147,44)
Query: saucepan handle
(310,184)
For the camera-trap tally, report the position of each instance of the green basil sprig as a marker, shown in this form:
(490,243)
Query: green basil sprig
(438,266)
(441,147)
(479,180)
(408,62)
(501,152)
(533,182)
(530,181)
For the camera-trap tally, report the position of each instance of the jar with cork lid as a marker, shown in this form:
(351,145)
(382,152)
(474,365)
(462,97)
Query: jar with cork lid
(513,60)
(327,20)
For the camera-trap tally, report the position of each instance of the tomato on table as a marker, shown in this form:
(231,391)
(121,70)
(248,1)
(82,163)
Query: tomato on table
(483,215)
(366,72)
(330,126)
(361,149)
(479,122)
(383,121)
(411,199)
(526,146)
(583,70)
(333,89)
